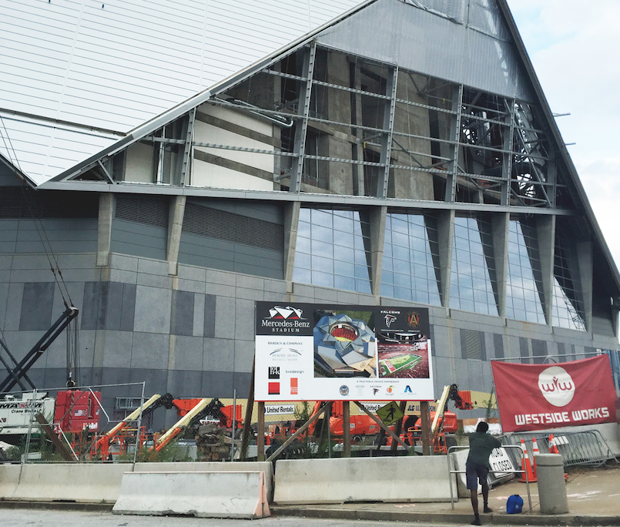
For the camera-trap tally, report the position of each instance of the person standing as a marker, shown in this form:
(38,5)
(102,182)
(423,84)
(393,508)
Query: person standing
(477,467)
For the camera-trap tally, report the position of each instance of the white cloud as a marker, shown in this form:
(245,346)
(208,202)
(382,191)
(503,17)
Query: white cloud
(574,47)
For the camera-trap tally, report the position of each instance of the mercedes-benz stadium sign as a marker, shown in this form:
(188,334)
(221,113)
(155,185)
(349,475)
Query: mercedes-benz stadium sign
(335,352)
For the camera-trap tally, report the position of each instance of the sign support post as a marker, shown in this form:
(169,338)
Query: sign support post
(247,422)
(425,428)
(260,440)
(346,428)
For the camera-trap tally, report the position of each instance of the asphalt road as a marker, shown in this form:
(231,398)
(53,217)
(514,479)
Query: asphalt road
(45,518)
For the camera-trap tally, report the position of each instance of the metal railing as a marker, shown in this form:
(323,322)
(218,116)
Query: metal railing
(455,471)
(586,447)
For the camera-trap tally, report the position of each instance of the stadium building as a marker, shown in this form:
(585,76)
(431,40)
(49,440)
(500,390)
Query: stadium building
(179,164)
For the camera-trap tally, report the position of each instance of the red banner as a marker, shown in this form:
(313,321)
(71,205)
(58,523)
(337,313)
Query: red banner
(538,397)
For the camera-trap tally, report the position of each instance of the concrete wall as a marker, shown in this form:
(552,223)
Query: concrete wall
(192,334)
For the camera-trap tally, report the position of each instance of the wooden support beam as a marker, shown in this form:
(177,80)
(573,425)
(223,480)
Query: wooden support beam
(383,427)
(300,431)
(66,454)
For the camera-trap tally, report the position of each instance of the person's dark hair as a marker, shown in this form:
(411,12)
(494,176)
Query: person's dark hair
(482,427)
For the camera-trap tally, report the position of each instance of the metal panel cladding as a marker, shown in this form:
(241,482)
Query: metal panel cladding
(464,41)
(114,65)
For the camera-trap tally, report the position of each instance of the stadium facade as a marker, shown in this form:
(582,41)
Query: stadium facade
(179,165)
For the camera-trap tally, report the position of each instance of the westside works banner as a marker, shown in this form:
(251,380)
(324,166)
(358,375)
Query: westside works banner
(537,397)
(309,352)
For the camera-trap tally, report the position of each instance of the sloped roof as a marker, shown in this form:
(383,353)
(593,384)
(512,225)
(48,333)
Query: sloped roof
(78,75)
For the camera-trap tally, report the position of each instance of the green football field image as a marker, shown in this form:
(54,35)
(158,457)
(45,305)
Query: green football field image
(395,364)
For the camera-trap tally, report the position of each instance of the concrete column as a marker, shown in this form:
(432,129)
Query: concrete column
(586,270)
(377,239)
(445,233)
(500,225)
(104,228)
(291,221)
(545,230)
(175,226)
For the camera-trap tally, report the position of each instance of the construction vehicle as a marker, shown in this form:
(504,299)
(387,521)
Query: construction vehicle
(191,413)
(16,413)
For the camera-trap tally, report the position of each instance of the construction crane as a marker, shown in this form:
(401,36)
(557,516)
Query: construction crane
(19,370)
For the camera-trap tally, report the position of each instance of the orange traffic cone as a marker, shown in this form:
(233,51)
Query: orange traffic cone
(535,452)
(553,448)
(526,466)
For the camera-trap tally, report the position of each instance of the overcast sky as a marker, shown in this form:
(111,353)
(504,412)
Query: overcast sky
(575,47)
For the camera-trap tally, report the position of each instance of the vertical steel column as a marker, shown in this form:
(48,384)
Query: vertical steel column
(457,105)
(188,150)
(507,155)
(552,170)
(159,177)
(388,127)
(302,128)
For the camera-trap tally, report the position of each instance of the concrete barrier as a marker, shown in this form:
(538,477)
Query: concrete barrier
(99,482)
(396,479)
(78,482)
(9,479)
(201,494)
(214,466)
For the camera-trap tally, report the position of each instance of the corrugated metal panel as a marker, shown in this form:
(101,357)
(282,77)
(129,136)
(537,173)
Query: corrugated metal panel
(420,40)
(115,64)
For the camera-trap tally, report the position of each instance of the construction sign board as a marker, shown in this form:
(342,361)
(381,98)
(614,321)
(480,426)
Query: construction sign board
(390,413)
(309,352)
(500,460)
(542,396)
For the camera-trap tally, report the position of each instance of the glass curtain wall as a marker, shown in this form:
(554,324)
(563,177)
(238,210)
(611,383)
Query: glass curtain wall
(333,250)
(567,298)
(411,259)
(473,282)
(524,281)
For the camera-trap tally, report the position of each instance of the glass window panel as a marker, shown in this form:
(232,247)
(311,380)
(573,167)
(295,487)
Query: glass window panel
(303,260)
(322,249)
(325,265)
(343,224)
(329,252)
(400,252)
(408,248)
(303,276)
(322,233)
(523,266)
(361,271)
(344,268)
(345,282)
(387,290)
(471,276)
(303,245)
(324,218)
(344,254)
(322,279)
(363,286)
(567,297)
(402,280)
(361,258)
